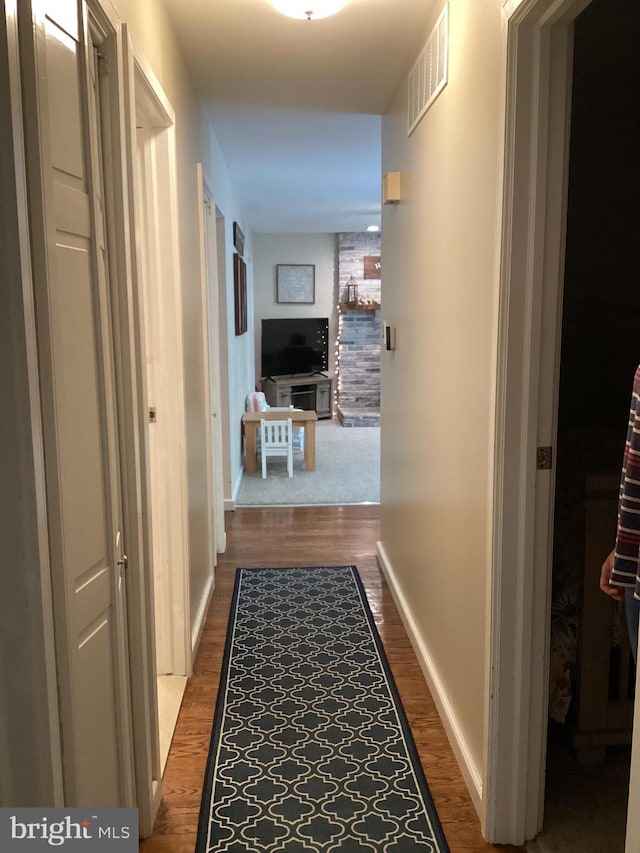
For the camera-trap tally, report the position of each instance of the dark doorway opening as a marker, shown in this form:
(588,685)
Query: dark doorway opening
(591,675)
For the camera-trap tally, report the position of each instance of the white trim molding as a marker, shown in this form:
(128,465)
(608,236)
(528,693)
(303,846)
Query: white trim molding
(236,489)
(159,291)
(470,771)
(201,615)
(537,57)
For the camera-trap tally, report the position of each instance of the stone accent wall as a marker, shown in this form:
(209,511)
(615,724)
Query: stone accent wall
(359,350)
(352,249)
(359,334)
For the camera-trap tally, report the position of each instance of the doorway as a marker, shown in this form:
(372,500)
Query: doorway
(539,48)
(161,334)
(592,677)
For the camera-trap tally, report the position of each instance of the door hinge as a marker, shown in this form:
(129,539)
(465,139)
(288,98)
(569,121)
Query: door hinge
(544,458)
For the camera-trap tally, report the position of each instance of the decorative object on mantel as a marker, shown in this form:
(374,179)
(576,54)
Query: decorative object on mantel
(296,283)
(238,239)
(352,291)
(240,293)
(372,267)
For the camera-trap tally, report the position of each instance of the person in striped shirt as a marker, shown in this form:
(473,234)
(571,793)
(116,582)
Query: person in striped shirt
(620,572)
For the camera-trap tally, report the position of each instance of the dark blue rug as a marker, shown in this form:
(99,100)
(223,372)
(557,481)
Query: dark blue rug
(311,749)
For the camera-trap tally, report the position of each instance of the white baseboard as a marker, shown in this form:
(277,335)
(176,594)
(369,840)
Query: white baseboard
(236,487)
(156,799)
(470,771)
(229,505)
(198,625)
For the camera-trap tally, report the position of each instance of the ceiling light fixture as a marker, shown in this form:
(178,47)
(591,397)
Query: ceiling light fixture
(373,227)
(308,9)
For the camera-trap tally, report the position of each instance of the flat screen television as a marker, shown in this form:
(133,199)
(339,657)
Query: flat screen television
(295,345)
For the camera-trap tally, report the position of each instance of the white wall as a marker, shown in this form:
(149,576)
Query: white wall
(438,289)
(240,350)
(272,249)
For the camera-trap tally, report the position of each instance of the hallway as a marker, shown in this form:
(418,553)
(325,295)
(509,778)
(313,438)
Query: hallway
(306,536)
(122,450)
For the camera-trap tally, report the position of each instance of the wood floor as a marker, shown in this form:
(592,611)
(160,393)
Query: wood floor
(306,536)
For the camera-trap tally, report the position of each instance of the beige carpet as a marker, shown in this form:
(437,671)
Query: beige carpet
(347,472)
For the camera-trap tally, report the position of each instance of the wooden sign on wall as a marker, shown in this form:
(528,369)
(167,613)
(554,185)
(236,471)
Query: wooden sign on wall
(372,266)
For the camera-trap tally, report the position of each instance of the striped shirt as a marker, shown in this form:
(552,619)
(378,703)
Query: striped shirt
(626,570)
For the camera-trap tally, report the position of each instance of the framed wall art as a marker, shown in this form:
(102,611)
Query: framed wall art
(240,293)
(238,239)
(296,283)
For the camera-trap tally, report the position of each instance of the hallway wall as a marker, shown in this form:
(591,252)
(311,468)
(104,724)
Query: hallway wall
(438,246)
(153,35)
(240,349)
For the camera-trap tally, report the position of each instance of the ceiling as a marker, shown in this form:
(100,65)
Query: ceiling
(296,105)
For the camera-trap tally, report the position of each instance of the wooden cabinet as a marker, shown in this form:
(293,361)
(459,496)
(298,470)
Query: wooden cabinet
(323,399)
(302,392)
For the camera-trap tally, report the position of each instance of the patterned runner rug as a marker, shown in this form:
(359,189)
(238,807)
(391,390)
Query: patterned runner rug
(311,751)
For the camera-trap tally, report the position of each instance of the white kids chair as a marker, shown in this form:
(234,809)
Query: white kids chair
(276,439)
(257,402)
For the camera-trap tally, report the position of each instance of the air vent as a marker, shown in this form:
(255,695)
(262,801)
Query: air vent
(428,77)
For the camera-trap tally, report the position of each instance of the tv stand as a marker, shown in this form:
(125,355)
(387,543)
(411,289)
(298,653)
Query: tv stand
(311,391)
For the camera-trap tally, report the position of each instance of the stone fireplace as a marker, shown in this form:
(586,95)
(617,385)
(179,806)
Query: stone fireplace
(359,333)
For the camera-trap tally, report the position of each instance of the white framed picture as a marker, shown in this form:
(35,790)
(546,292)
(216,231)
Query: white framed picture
(296,283)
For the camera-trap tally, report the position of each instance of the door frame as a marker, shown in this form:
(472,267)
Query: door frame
(100,40)
(131,392)
(209,389)
(225,323)
(144,93)
(211,310)
(537,70)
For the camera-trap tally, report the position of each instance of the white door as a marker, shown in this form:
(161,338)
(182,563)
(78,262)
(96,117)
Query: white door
(81,452)
(209,252)
(158,389)
(154,232)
